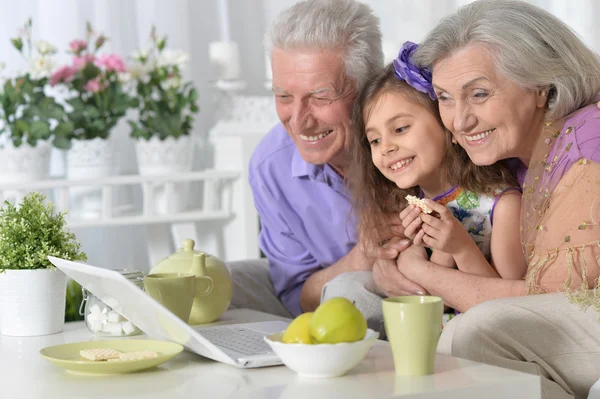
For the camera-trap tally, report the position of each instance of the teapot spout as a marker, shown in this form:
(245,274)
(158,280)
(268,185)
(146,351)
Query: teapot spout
(199,265)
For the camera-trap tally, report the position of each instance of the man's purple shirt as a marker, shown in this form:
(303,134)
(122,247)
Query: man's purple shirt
(305,214)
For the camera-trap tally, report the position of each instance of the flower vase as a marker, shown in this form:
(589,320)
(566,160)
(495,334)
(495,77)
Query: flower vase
(166,157)
(86,160)
(25,163)
(32,302)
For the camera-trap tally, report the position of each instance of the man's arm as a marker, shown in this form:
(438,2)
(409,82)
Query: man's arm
(361,257)
(355,260)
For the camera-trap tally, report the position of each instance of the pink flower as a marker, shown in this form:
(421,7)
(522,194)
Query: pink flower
(77,46)
(63,74)
(94,85)
(79,62)
(111,62)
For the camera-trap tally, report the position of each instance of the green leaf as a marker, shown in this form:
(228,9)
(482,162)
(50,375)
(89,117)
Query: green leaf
(73,301)
(32,231)
(160,45)
(193,96)
(75,102)
(98,126)
(64,128)
(17,43)
(92,112)
(21,126)
(39,130)
(61,142)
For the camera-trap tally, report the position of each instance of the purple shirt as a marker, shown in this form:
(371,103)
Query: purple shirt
(305,214)
(583,141)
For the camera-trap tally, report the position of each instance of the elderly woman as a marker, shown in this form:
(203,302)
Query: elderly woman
(514,82)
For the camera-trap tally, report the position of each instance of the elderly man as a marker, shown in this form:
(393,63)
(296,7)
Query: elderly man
(322,53)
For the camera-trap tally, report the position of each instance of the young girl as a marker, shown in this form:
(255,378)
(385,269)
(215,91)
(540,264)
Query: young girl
(402,148)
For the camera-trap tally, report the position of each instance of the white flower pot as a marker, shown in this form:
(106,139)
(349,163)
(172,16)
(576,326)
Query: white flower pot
(23,164)
(166,157)
(32,302)
(89,159)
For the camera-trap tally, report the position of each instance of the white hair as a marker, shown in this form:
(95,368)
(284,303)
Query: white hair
(347,25)
(532,47)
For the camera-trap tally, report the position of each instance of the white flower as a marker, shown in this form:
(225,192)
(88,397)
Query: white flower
(140,55)
(173,82)
(40,67)
(2,66)
(125,77)
(45,48)
(173,58)
(155,95)
(139,71)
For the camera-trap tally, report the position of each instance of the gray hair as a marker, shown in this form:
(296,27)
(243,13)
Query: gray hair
(532,47)
(347,25)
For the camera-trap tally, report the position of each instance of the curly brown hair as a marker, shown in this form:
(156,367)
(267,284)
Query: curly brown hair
(374,196)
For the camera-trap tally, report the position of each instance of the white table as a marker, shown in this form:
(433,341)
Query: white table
(25,374)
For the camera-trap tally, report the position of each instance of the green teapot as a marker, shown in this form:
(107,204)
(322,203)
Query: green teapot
(207,307)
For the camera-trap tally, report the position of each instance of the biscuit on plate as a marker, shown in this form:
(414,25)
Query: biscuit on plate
(99,354)
(139,355)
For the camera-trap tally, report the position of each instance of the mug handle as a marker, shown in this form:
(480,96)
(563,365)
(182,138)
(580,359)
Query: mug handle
(208,290)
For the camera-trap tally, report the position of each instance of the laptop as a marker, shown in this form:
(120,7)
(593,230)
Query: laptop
(239,345)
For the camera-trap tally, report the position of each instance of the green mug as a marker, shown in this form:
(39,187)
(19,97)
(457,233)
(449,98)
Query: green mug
(413,325)
(175,291)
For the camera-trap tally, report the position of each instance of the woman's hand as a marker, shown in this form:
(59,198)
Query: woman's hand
(442,259)
(443,232)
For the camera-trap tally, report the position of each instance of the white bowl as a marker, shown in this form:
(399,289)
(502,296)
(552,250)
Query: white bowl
(322,360)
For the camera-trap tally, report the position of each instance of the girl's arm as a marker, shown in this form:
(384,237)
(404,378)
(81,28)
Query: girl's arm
(459,290)
(445,233)
(506,251)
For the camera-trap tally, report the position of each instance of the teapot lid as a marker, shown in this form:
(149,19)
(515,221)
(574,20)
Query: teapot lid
(185,252)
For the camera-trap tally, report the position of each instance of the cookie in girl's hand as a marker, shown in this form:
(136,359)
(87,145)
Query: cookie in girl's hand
(412,200)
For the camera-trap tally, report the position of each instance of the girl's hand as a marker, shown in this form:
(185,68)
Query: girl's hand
(411,221)
(443,232)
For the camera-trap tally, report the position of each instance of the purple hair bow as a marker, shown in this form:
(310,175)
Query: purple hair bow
(418,78)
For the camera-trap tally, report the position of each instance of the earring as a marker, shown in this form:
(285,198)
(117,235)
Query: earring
(454,141)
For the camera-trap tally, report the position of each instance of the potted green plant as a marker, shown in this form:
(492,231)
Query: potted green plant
(96,102)
(166,107)
(32,290)
(30,119)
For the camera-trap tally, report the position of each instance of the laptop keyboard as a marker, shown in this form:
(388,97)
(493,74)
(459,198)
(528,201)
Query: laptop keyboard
(239,339)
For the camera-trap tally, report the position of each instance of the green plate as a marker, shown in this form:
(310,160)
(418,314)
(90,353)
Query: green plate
(67,355)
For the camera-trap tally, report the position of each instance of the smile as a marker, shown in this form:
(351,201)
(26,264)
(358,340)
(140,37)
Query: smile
(401,163)
(479,136)
(317,137)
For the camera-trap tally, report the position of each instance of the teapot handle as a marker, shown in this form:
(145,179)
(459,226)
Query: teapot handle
(207,290)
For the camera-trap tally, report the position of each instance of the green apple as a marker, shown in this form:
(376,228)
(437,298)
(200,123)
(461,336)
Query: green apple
(337,320)
(297,332)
